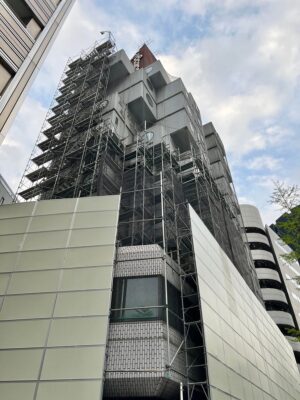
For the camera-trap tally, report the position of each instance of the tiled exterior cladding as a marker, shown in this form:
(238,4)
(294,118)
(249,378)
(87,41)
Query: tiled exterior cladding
(137,353)
(137,359)
(145,260)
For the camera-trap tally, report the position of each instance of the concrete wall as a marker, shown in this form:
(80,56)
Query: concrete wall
(56,263)
(247,356)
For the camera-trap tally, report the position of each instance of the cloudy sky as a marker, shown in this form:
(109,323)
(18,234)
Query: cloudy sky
(239,58)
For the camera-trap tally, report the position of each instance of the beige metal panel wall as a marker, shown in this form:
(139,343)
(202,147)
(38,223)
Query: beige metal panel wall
(56,263)
(247,356)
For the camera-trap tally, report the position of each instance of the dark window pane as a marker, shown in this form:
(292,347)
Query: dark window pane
(142,292)
(175,310)
(255,230)
(142,298)
(137,298)
(259,246)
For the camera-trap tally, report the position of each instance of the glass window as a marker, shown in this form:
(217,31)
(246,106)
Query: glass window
(255,230)
(137,298)
(270,283)
(175,310)
(149,99)
(259,246)
(6,75)
(264,264)
(26,16)
(142,298)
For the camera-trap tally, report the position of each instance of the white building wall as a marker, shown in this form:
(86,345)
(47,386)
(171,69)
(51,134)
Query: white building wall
(56,263)
(247,356)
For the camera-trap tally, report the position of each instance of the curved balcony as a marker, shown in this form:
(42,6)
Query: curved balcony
(265,264)
(251,216)
(253,229)
(260,246)
(262,255)
(257,237)
(273,295)
(267,273)
(282,318)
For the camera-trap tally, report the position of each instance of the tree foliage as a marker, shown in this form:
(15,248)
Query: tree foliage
(288,199)
(285,196)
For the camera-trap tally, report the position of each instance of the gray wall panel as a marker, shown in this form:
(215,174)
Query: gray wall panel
(247,356)
(56,297)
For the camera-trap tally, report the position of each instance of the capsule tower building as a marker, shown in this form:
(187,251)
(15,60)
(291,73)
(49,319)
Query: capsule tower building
(124,158)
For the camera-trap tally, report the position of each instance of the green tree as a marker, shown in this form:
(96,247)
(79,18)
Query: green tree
(288,199)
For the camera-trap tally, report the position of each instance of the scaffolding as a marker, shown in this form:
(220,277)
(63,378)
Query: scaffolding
(221,214)
(79,153)
(154,210)
(75,154)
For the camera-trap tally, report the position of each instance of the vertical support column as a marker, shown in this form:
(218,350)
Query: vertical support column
(165,267)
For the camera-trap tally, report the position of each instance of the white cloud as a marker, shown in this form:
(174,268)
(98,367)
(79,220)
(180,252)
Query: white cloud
(243,69)
(264,162)
(245,73)
(264,181)
(17,147)
(79,32)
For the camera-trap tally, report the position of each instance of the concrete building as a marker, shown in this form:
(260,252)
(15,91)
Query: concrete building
(131,252)
(276,276)
(27,30)
(6,194)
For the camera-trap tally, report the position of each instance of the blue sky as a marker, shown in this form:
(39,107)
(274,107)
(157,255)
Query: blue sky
(241,62)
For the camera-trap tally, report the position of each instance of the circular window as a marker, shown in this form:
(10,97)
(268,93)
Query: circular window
(150,85)
(150,101)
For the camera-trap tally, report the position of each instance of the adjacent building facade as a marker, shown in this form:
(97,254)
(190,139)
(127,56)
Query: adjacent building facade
(130,249)
(27,30)
(6,194)
(276,276)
